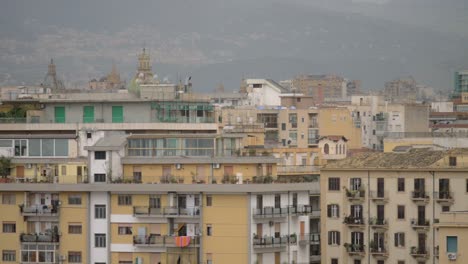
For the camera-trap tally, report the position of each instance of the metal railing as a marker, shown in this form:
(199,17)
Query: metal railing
(354,248)
(351,220)
(39,210)
(167,211)
(378,222)
(40,237)
(444,195)
(419,195)
(423,222)
(270,212)
(309,238)
(163,241)
(378,195)
(418,251)
(270,241)
(297,168)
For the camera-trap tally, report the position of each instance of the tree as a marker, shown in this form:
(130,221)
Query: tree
(5,166)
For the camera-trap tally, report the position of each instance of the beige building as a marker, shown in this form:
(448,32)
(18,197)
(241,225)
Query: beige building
(453,237)
(383,207)
(339,121)
(321,87)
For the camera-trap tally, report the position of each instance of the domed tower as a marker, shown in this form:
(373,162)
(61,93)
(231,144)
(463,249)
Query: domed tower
(144,72)
(51,80)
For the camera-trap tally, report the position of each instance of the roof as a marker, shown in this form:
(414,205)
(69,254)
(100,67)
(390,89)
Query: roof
(200,160)
(313,188)
(109,142)
(414,158)
(334,138)
(54,160)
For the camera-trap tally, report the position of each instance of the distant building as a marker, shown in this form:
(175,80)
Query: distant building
(263,92)
(401,90)
(111,81)
(323,87)
(460,83)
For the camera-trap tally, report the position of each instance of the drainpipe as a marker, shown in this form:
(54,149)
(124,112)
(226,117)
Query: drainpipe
(368,217)
(289,230)
(433,215)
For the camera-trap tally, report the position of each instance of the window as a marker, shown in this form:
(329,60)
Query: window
(74,199)
(355,184)
(209,258)
(277,201)
(209,200)
(333,210)
(99,240)
(401,262)
(89,135)
(125,199)
(293,120)
(64,170)
(283,126)
(445,208)
(74,228)
(333,238)
(155,201)
(137,174)
(209,230)
(9,227)
(8,198)
(466,185)
(100,211)
(326,148)
(74,256)
(401,184)
(453,161)
(333,184)
(380,262)
(99,155)
(357,261)
(399,239)
(9,255)
(99,177)
(452,244)
(401,211)
(21,147)
(357,238)
(334,261)
(125,230)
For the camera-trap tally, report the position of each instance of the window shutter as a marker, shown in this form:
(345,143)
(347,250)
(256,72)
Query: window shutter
(403,239)
(329,237)
(337,211)
(338,238)
(396,239)
(329,210)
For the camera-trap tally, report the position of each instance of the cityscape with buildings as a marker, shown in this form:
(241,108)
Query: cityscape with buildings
(305,166)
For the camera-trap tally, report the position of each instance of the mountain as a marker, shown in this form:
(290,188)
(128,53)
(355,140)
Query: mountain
(222,42)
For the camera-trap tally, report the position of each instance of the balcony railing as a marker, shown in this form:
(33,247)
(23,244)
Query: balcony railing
(303,209)
(379,196)
(309,239)
(420,224)
(170,211)
(314,256)
(378,223)
(166,241)
(40,238)
(297,169)
(270,212)
(379,252)
(355,249)
(355,195)
(420,196)
(354,221)
(269,241)
(443,197)
(419,253)
(39,210)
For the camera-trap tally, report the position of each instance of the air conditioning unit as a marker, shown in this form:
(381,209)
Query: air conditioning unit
(178,166)
(63,257)
(216,166)
(452,256)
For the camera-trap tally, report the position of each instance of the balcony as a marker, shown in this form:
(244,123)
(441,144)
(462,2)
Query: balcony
(309,239)
(356,196)
(379,197)
(302,209)
(270,242)
(355,250)
(314,256)
(378,224)
(39,238)
(166,241)
(39,210)
(444,198)
(379,252)
(420,197)
(270,212)
(354,222)
(419,253)
(170,211)
(299,169)
(421,225)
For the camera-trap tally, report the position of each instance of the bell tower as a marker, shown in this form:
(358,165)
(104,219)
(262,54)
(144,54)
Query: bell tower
(144,62)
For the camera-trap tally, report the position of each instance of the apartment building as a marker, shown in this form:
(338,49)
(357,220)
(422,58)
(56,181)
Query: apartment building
(160,223)
(385,207)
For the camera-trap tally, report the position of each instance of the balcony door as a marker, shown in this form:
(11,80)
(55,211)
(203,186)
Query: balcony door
(421,242)
(379,241)
(380,212)
(419,186)
(356,211)
(421,214)
(380,187)
(355,184)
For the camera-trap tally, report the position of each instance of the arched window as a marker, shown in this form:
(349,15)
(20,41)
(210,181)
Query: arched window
(326,148)
(339,149)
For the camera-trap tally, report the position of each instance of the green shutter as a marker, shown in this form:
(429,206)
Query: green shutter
(117,114)
(88,114)
(59,114)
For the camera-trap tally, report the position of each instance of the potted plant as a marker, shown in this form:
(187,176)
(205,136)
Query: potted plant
(293,238)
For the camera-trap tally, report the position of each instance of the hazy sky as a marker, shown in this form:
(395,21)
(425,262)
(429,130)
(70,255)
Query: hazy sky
(219,41)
